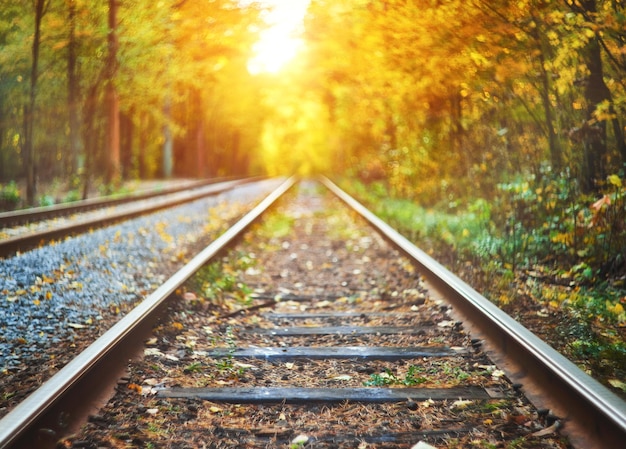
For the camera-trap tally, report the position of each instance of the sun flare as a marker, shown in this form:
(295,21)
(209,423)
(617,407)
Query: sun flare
(280,42)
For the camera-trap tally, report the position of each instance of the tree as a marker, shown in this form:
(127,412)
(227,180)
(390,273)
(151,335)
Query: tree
(113,174)
(30,156)
(73,89)
(597,94)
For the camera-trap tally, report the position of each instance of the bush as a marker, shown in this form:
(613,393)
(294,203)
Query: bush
(72,195)
(9,196)
(46,200)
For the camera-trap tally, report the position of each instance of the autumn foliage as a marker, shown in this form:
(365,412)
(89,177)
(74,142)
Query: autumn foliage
(442,99)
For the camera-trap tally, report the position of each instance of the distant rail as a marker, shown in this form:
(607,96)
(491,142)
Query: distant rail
(146,203)
(29,215)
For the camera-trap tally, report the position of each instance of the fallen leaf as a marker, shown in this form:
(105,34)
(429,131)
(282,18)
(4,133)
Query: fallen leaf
(342,377)
(422,445)
(147,390)
(152,351)
(214,409)
(616,383)
(446,323)
(518,419)
(271,431)
(488,368)
(300,440)
(461,403)
(548,430)
(243,365)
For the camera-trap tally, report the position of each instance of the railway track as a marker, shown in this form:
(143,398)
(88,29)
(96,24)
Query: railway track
(23,216)
(96,212)
(314,332)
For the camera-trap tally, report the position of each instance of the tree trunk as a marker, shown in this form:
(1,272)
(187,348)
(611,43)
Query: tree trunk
(596,91)
(143,142)
(556,154)
(30,158)
(73,93)
(200,149)
(91,147)
(113,134)
(168,142)
(126,145)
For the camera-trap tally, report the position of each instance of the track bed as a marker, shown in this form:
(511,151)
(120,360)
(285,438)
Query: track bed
(314,332)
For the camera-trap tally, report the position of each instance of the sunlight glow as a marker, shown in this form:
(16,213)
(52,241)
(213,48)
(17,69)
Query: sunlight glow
(280,42)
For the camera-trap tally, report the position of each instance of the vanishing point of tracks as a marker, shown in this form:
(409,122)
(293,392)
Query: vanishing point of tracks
(345,339)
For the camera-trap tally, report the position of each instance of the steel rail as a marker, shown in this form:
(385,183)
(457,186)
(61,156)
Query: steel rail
(595,410)
(17,427)
(30,240)
(23,216)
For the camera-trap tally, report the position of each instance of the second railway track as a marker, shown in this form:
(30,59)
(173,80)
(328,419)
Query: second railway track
(26,229)
(315,332)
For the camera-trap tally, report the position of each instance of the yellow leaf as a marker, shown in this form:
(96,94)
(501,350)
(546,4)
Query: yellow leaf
(615,180)
(616,309)
(616,383)
(342,377)
(461,404)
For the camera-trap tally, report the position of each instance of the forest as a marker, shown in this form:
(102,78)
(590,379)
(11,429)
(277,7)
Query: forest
(436,97)
(489,131)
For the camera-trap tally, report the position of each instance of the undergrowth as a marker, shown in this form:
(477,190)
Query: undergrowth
(219,280)
(539,236)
